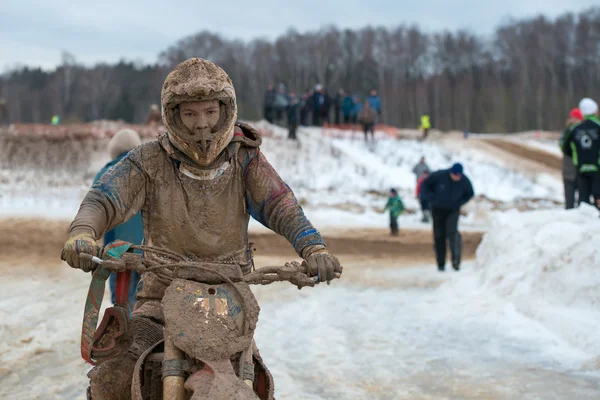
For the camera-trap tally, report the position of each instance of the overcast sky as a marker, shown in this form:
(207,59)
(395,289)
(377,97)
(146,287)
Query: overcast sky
(35,32)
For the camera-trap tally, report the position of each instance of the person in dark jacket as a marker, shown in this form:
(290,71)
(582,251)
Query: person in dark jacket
(569,171)
(321,104)
(292,115)
(318,99)
(305,107)
(269,103)
(582,144)
(337,107)
(131,231)
(447,191)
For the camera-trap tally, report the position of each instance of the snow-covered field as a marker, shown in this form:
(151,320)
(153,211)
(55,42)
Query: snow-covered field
(336,179)
(519,323)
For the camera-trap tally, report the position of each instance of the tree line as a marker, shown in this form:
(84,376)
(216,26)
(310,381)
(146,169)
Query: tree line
(527,75)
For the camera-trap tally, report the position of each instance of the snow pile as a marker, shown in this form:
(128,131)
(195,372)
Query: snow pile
(348,165)
(547,264)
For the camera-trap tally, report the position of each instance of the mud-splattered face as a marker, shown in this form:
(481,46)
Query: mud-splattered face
(200,117)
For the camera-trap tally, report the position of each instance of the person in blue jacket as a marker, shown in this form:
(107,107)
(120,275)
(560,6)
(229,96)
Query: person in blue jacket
(348,108)
(375,101)
(447,191)
(132,230)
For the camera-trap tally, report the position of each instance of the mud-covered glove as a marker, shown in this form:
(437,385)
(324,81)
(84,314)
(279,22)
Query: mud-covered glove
(81,243)
(321,264)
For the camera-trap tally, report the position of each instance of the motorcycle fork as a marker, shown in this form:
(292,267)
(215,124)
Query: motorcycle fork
(174,367)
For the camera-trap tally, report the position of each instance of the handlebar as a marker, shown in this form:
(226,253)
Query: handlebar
(293,272)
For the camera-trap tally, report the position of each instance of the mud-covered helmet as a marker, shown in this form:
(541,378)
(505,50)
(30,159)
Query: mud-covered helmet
(199,80)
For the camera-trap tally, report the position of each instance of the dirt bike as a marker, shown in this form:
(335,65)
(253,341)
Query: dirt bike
(210,315)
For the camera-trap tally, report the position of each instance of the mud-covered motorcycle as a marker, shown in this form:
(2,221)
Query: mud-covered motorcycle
(207,349)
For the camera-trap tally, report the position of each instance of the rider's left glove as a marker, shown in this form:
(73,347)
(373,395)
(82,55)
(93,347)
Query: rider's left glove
(321,264)
(76,245)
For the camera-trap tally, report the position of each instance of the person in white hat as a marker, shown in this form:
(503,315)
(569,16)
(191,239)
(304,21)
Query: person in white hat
(582,143)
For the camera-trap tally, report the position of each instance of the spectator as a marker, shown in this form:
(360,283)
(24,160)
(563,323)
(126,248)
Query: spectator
(348,108)
(269,103)
(321,103)
(447,191)
(317,100)
(3,111)
(305,107)
(367,118)
(281,103)
(421,168)
(582,143)
(425,125)
(396,207)
(375,101)
(292,115)
(132,230)
(154,117)
(338,105)
(424,203)
(569,171)
(357,108)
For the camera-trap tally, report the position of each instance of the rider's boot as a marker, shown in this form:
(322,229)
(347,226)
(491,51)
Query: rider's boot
(111,380)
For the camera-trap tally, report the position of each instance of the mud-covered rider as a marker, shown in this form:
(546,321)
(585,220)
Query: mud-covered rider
(196,187)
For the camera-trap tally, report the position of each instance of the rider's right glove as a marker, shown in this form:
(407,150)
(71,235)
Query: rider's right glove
(81,243)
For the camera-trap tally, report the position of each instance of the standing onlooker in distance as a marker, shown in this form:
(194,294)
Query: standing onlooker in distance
(305,107)
(3,111)
(569,170)
(131,231)
(375,102)
(425,209)
(318,101)
(447,191)
(357,108)
(421,168)
(367,117)
(325,107)
(154,116)
(583,145)
(425,126)
(348,108)
(292,115)
(337,107)
(269,103)
(396,207)
(281,103)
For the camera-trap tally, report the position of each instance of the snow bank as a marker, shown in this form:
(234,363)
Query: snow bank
(547,263)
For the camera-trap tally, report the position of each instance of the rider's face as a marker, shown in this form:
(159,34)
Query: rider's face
(200,116)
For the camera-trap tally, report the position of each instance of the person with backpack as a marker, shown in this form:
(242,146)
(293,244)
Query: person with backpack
(569,171)
(582,144)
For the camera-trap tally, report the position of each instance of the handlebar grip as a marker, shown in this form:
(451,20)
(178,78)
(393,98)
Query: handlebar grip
(92,258)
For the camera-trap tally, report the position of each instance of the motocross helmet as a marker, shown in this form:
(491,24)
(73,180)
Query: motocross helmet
(199,80)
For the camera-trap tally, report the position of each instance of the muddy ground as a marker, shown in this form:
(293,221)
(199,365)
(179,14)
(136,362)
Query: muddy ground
(528,152)
(37,240)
